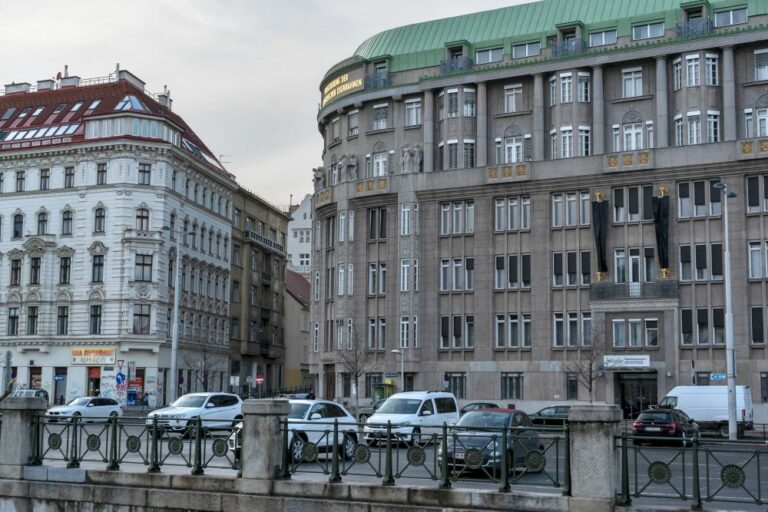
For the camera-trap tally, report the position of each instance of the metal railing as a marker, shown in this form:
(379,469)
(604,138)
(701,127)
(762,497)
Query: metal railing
(503,457)
(652,290)
(568,48)
(694,470)
(455,64)
(377,80)
(694,28)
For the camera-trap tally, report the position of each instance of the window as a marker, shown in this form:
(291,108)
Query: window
(694,128)
(452,148)
(713,126)
(488,56)
(470,103)
(377,224)
(145,175)
(602,38)
(557,269)
(143,268)
(13,321)
(761,65)
(513,98)
(731,17)
(718,326)
(99,220)
(520,51)
(69,177)
(677,74)
(648,31)
(342,225)
(457,218)
(712,70)
(18,225)
(513,149)
(633,136)
(702,326)
(620,264)
(66,222)
(585,141)
(566,88)
(457,384)
(142,222)
(101,174)
(584,88)
(34,270)
(758,336)
(95,320)
(97,272)
(65,264)
(141,317)
(469,274)
(566,142)
(571,386)
(42,223)
(558,330)
(45,179)
(413,112)
(32,316)
(686,324)
(380,117)
(619,334)
(62,320)
(511,386)
(692,71)
(553,91)
(632,81)
(15,272)
(452,96)
(469,154)
(678,129)
(19,181)
(382,333)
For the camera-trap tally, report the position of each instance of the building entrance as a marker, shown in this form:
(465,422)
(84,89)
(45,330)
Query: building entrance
(637,391)
(330,382)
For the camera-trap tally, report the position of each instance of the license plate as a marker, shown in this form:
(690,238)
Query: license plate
(653,429)
(458,455)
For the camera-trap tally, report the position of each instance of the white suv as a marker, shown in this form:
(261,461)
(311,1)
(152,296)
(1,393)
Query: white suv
(216,410)
(413,414)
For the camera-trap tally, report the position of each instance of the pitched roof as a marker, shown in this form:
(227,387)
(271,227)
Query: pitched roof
(50,108)
(297,286)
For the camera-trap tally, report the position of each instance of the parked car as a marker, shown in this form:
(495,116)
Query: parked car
(482,430)
(312,421)
(216,410)
(366,412)
(477,405)
(413,414)
(708,406)
(90,408)
(662,426)
(555,415)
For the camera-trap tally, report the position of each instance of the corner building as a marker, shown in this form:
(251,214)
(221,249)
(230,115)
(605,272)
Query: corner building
(453,215)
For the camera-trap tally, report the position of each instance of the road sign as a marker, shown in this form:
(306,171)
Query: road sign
(259,379)
(390,375)
(717,376)
(120,363)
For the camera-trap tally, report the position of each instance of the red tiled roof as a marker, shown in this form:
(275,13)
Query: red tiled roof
(110,94)
(297,286)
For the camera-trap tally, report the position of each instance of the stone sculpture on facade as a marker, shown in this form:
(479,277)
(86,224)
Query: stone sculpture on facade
(410,160)
(318,174)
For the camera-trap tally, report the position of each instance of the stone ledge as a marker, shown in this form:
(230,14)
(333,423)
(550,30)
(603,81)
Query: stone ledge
(266,407)
(594,413)
(124,478)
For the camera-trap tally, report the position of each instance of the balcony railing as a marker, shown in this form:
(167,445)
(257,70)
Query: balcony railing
(694,28)
(377,80)
(265,242)
(567,48)
(455,65)
(619,291)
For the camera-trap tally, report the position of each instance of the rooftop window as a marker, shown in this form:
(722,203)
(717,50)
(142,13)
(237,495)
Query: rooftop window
(489,55)
(648,30)
(130,102)
(8,114)
(38,110)
(76,106)
(25,112)
(731,17)
(94,104)
(60,107)
(602,38)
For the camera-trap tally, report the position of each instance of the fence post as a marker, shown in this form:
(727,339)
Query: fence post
(113,465)
(696,505)
(74,453)
(504,484)
(624,499)
(389,479)
(446,483)
(263,447)
(593,456)
(154,464)
(285,470)
(335,477)
(17,434)
(567,462)
(197,465)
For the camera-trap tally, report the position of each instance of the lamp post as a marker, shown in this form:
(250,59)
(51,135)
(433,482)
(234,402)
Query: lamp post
(175,319)
(402,367)
(730,369)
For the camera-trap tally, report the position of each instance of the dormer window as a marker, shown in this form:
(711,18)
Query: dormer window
(38,111)
(76,106)
(59,108)
(25,112)
(648,31)
(8,113)
(94,104)
(488,56)
(731,17)
(456,52)
(130,102)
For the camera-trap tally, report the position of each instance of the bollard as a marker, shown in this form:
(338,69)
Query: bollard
(20,435)
(262,451)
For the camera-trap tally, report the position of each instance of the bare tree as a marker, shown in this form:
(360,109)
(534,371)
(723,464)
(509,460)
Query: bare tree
(353,360)
(203,362)
(588,365)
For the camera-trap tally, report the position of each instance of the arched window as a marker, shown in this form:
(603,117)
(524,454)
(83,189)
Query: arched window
(66,222)
(42,223)
(99,220)
(18,225)
(142,219)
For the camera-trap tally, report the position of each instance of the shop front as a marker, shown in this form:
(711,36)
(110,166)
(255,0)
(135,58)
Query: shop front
(635,382)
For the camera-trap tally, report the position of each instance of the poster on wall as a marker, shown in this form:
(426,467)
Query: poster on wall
(152,389)
(107,387)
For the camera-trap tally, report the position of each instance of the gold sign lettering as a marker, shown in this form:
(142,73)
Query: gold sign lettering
(340,85)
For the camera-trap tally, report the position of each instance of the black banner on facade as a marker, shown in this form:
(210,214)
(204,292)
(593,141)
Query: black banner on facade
(600,226)
(661,221)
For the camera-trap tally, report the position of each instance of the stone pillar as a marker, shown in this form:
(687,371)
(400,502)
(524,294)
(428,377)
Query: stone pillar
(429,131)
(594,468)
(482,125)
(729,95)
(662,110)
(16,436)
(539,141)
(261,452)
(598,111)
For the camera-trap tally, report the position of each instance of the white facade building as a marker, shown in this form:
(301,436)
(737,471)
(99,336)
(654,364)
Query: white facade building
(300,238)
(93,181)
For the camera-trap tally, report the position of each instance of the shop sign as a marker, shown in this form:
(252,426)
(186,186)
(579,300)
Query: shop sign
(342,85)
(93,356)
(626,361)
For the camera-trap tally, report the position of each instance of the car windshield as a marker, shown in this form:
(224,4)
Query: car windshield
(80,401)
(400,406)
(189,401)
(655,416)
(484,419)
(298,411)
(669,402)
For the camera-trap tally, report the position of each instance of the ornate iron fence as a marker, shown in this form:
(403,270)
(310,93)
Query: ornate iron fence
(533,456)
(695,470)
(115,441)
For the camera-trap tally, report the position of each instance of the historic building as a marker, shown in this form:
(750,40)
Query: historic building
(508,195)
(97,179)
(297,302)
(257,294)
(300,237)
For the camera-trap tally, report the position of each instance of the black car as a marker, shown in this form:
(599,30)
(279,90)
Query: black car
(662,426)
(477,405)
(554,416)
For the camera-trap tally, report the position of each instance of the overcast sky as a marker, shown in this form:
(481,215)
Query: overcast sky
(243,73)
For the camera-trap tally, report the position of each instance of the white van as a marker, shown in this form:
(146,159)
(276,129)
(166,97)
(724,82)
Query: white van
(413,414)
(708,406)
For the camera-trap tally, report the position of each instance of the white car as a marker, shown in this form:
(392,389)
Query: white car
(312,421)
(216,410)
(92,408)
(411,415)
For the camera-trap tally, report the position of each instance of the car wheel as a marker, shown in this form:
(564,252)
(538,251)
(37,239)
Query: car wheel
(296,448)
(349,446)
(416,437)
(723,430)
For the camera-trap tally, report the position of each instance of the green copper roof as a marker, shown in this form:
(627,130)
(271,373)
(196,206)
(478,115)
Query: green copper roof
(422,44)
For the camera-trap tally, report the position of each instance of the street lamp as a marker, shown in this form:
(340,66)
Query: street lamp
(175,319)
(730,369)
(402,367)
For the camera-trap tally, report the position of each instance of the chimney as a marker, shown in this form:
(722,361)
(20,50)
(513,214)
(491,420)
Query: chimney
(15,88)
(45,85)
(124,74)
(165,98)
(70,81)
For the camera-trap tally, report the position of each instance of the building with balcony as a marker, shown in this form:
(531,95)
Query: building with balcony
(97,178)
(257,337)
(300,237)
(534,187)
